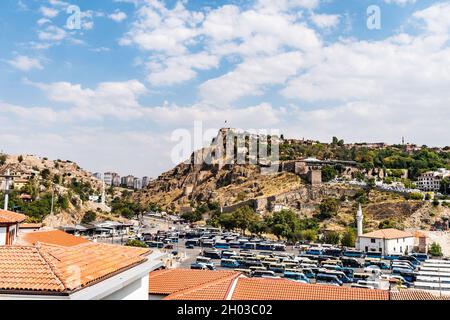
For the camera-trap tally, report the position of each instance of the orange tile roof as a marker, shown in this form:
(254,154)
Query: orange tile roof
(169,281)
(282,289)
(50,268)
(56,237)
(239,287)
(11,217)
(413,295)
(387,234)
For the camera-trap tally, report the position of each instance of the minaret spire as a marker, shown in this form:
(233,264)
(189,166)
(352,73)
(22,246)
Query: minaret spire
(359,220)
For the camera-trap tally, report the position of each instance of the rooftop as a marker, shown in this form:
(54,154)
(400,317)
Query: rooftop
(180,284)
(48,268)
(388,234)
(165,282)
(54,237)
(11,217)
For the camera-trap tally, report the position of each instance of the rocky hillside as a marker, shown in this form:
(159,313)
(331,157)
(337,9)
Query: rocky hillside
(36,178)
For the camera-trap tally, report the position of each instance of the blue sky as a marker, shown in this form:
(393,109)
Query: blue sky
(110,94)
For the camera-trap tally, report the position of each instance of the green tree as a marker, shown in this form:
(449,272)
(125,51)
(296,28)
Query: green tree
(3,158)
(328,173)
(445,185)
(89,216)
(435,250)
(20,159)
(191,217)
(328,208)
(243,217)
(349,238)
(387,224)
(136,243)
(332,237)
(45,174)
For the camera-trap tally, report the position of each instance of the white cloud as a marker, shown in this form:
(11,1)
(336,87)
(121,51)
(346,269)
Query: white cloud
(25,63)
(52,33)
(324,21)
(49,12)
(251,77)
(118,16)
(401,3)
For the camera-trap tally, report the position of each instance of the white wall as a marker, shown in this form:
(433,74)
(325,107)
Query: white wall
(388,247)
(2,236)
(137,290)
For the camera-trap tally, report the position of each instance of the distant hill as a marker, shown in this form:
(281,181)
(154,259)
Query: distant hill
(36,178)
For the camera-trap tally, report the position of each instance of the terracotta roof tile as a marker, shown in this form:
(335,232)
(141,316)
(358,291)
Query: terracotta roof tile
(282,289)
(239,287)
(387,234)
(63,269)
(11,217)
(175,280)
(214,290)
(413,295)
(56,237)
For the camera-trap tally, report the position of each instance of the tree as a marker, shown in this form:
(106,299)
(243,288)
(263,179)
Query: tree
(445,185)
(20,159)
(89,217)
(191,217)
(45,174)
(349,238)
(258,227)
(371,183)
(243,217)
(332,237)
(328,208)
(328,173)
(435,250)
(136,243)
(3,158)
(387,224)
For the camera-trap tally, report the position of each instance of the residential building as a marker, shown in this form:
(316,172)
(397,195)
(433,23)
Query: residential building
(137,184)
(127,182)
(9,226)
(109,177)
(53,265)
(146,181)
(98,175)
(431,181)
(386,241)
(29,227)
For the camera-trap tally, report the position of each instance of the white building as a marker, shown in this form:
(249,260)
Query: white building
(65,267)
(386,241)
(9,226)
(431,181)
(137,184)
(110,177)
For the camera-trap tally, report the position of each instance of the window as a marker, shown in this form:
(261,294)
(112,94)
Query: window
(372,240)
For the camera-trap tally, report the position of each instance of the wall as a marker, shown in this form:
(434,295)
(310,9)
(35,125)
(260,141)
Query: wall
(388,247)
(137,290)
(2,236)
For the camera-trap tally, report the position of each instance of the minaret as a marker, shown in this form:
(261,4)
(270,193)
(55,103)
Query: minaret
(359,221)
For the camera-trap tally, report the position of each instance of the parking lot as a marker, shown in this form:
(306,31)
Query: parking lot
(211,249)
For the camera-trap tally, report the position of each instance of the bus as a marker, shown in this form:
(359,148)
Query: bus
(361,276)
(296,276)
(262,273)
(353,253)
(341,275)
(156,244)
(279,247)
(264,246)
(222,245)
(329,279)
(229,263)
(191,242)
(422,257)
(276,267)
(249,246)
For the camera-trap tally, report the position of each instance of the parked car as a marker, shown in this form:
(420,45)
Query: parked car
(199,266)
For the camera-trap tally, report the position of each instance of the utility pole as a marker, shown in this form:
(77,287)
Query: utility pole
(53,199)
(7,177)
